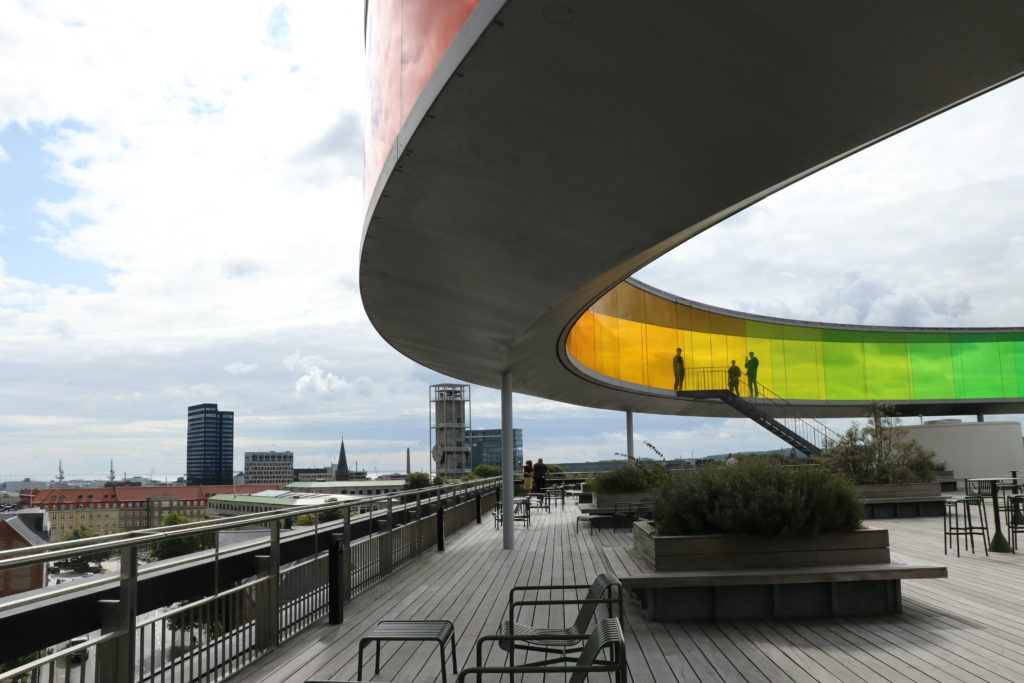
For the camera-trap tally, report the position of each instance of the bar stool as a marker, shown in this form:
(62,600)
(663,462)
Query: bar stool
(1014,518)
(964,516)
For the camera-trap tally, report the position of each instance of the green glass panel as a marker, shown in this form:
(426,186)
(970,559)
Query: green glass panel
(1008,367)
(886,368)
(979,363)
(843,354)
(803,351)
(931,366)
(1018,346)
(802,370)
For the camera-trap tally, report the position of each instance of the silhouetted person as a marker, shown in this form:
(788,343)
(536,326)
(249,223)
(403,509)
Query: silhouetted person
(528,476)
(679,368)
(540,475)
(751,365)
(734,378)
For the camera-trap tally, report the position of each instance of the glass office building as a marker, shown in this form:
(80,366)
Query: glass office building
(485,447)
(211,443)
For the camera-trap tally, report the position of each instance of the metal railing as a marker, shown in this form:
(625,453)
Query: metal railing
(259,594)
(716,379)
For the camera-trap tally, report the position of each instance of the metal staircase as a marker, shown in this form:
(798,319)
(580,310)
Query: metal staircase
(765,407)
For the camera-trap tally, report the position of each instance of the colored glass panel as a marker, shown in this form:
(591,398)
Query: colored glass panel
(931,366)
(631,335)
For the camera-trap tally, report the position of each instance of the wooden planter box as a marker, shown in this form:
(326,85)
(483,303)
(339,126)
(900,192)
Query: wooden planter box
(725,576)
(885,501)
(742,551)
(608,500)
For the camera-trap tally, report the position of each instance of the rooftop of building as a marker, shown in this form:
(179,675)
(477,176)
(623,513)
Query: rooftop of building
(354,483)
(963,628)
(137,493)
(282,498)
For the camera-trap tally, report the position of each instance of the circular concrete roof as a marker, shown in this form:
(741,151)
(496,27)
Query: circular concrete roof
(571,143)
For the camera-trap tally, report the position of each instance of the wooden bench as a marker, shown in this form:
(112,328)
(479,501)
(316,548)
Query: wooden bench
(785,592)
(885,501)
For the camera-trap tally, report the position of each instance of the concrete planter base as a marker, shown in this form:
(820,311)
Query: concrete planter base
(724,576)
(886,501)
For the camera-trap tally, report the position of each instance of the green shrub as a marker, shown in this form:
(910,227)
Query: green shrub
(755,497)
(485,471)
(417,480)
(881,452)
(634,478)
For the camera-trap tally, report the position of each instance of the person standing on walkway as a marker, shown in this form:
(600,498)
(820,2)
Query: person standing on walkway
(528,476)
(734,378)
(540,475)
(679,369)
(751,365)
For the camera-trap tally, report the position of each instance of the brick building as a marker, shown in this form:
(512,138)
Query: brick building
(20,530)
(113,509)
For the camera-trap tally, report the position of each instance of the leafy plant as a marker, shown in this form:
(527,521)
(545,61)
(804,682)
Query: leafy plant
(880,452)
(183,545)
(756,497)
(633,478)
(484,471)
(82,562)
(417,480)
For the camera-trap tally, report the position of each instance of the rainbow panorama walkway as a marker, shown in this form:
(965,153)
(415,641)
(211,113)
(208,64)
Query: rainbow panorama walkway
(969,627)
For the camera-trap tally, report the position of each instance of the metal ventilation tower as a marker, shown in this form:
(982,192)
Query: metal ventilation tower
(450,415)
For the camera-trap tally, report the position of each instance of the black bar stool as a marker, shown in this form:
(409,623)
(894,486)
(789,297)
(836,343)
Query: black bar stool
(1014,517)
(965,516)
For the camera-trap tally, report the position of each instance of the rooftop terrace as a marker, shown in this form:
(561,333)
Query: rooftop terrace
(969,627)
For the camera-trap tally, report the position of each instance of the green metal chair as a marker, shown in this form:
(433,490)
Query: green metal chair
(605,590)
(606,635)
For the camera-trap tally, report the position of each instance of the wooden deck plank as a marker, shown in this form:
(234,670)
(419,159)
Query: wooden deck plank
(967,627)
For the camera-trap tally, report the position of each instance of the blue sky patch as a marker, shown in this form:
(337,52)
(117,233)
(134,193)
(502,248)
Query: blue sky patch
(26,179)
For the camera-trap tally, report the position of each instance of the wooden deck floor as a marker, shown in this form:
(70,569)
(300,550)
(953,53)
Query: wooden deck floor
(969,627)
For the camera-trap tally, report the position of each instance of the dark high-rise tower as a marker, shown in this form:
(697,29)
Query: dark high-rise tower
(211,444)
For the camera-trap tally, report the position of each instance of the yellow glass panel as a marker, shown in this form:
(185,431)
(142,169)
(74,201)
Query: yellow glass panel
(581,340)
(606,330)
(658,311)
(631,351)
(661,348)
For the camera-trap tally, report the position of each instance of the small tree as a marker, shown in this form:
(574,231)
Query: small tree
(484,471)
(417,480)
(183,545)
(880,452)
(85,559)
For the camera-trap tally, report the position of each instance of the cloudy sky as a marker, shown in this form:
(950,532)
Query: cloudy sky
(180,214)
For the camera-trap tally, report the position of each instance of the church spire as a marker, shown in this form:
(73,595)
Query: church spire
(342,473)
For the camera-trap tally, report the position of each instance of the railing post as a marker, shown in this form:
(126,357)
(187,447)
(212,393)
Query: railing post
(263,609)
(335,584)
(479,504)
(108,653)
(268,567)
(384,543)
(440,526)
(116,659)
(346,557)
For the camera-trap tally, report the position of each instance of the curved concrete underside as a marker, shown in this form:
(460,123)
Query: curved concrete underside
(573,147)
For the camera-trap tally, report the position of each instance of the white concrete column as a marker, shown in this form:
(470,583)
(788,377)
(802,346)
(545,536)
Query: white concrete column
(629,435)
(508,490)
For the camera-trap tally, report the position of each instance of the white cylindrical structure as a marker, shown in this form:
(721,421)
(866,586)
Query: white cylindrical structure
(508,491)
(973,449)
(629,435)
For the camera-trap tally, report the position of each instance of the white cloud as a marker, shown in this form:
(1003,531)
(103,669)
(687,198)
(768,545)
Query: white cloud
(213,154)
(240,368)
(920,230)
(319,382)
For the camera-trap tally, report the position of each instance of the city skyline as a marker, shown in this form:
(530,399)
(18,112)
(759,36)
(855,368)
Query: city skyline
(121,151)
